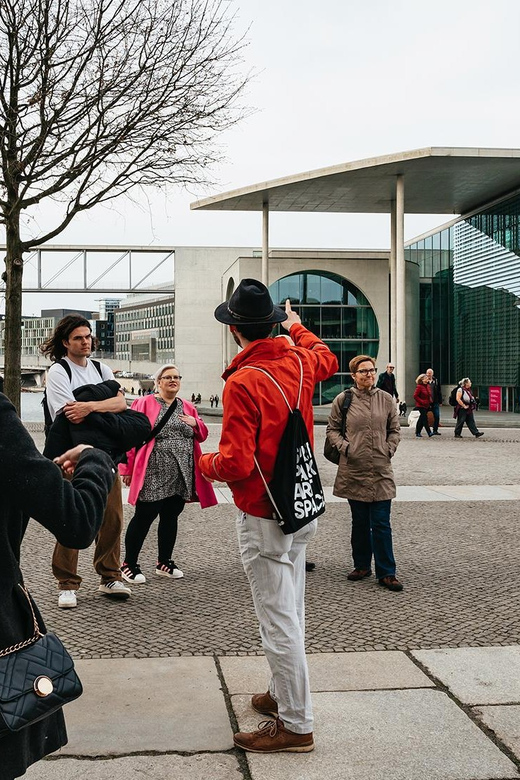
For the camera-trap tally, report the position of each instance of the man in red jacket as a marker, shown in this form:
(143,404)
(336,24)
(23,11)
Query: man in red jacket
(255,416)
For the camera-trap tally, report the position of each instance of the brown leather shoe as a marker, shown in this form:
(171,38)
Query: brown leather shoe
(264,704)
(359,574)
(391,582)
(273,737)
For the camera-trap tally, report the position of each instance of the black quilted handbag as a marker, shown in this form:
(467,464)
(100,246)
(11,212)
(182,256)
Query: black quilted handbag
(37,677)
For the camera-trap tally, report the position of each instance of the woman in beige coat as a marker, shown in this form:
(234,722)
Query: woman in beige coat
(365,475)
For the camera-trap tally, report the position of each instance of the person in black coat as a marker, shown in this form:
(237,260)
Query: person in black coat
(386,382)
(32,486)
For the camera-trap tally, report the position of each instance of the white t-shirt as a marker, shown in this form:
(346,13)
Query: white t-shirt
(60,387)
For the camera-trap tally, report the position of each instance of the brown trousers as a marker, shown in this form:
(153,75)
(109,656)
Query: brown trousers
(107,551)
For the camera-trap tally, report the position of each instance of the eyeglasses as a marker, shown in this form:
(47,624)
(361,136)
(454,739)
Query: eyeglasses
(170,377)
(391,368)
(366,371)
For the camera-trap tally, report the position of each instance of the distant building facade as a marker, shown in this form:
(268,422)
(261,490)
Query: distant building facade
(144,328)
(35,330)
(104,326)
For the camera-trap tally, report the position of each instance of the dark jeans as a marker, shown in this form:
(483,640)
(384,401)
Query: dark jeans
(436,417)
(168,510)
(422,422)
(372,535)
(465,416)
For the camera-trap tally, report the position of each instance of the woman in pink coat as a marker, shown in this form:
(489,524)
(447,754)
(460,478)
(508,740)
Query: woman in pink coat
(163,475)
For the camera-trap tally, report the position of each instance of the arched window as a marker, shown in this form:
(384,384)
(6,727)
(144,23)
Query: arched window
(336,311)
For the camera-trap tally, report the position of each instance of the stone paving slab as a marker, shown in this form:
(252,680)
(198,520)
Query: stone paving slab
(152,704)
(384,735)
(331,672)
(422,493)
(476,675)
(480,492)
(199,767)
(505,722)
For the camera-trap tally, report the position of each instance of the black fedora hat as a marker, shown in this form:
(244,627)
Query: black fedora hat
(250,304)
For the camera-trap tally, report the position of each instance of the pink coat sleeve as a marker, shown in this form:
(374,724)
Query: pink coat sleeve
(127,469)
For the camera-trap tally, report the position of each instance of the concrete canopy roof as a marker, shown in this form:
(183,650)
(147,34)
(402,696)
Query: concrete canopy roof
(437,180)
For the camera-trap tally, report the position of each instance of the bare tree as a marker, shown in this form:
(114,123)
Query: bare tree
(98,97)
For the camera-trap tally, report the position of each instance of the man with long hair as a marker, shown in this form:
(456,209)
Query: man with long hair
(70,347)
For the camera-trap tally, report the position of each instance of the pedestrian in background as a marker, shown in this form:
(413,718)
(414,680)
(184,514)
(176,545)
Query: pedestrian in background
(422,400)
(211,400)
(436,399)
(365,476)
(217,399)
(163,475)
(386,382)
(463,412)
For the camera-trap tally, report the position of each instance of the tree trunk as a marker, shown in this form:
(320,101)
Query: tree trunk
(13,311)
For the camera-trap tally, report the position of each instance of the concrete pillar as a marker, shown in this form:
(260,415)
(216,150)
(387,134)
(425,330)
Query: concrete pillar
(400,356)
(393,284)
(265,243)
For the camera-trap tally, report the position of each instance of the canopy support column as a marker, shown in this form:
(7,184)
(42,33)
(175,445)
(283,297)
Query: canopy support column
(265,243)
(393,284)
(400,358)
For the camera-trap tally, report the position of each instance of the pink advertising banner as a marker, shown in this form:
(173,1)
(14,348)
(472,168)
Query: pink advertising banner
(495,399)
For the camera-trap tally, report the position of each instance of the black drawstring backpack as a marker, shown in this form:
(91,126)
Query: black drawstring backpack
(295,490)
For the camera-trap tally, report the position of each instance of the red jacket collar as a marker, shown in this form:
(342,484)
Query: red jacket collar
(258,351)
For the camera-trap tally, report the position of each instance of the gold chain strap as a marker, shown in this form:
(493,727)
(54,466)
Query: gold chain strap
(37,633)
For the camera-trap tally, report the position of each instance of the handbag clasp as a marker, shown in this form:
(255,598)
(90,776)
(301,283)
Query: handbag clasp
(43,686)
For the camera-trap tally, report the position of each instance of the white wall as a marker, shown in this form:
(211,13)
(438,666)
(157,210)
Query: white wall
(199,288)
(205,275)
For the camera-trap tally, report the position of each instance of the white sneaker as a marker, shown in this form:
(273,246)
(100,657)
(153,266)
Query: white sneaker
(115,589)
(67,599)
(169,569)
(132,574)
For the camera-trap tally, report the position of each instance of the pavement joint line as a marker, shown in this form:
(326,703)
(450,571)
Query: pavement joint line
(467,710)
(134,754)
(240,755)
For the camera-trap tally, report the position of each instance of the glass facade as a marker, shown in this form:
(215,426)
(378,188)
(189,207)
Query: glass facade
(434,255)
(470,296)
(336,311)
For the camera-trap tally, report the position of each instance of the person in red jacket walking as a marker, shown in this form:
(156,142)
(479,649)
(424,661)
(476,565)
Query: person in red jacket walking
(254,420)
(423,400)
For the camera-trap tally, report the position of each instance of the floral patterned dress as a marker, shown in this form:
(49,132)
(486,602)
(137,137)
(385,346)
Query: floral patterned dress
(170,467)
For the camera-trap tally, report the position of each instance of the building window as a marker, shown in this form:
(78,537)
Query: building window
(339,313)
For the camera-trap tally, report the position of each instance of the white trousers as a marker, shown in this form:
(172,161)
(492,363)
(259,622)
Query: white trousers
(274,564)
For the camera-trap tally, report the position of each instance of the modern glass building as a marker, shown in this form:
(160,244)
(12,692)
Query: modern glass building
(470,302)
(336,311)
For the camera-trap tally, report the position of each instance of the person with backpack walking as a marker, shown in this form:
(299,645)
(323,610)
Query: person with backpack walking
(254,421)
(423,400)
(366,440)
(463,411)
(70,347)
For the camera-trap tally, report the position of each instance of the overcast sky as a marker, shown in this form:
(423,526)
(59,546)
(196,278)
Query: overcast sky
(339,80)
